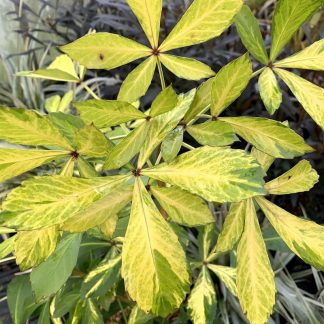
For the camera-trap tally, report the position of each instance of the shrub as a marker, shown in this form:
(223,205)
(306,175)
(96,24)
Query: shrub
(130,215)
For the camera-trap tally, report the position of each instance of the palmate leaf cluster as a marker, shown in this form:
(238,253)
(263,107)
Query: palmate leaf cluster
(126,188)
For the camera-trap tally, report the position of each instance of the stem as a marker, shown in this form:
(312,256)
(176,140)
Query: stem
(3,299)
(91,93)
(7,259)
(161,74)
(257,72)
(95,244)
(187,146)
(122,310)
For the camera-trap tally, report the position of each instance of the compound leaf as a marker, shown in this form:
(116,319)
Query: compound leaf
(255,278)
(248,28)
(148,13)
(303,237)
(288,17)
(302,177)
(105,51)
(58,267)
(229,83)
(50,200)
(39,129)
(33,247)
(308,94)
(204,19)
(155,273)
(270,91)
(269,136)
(106,113)
(216,174)
(186,68)
(310,58)
(183,207)
(14,162)
(138,81)
(202,300)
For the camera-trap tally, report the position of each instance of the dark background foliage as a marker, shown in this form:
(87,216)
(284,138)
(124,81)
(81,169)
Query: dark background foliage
(42,33)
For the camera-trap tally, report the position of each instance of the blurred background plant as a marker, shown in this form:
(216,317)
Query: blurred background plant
(30,32)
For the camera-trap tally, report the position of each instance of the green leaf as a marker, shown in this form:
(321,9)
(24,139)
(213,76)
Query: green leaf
(270,91)
(310,58)
(232,228)
(148,13)
(255,278)
(264,159)
(302,177)
(155,273)
(212,133)
(91,142)
(85,168)
(229,83)
(288,17)
(52,103)
(99,212)
(248,28)
(183,207)
(273,241)
(186,68)
(20,299)
(39,129)
(102,278)
(64,301)
(124,151)
(46,201)
(202,21)
(7,247)
(58,267)
(202,300)
(62,69)
(33,247)
(172,144)
(91,313)
(165,101)
(105,51)
(216,174)
(14,162)
(269,136)
(308,94)
(66,101)
(45,315)
(227,275)
(138,81)
(68,124)
(162,125)
(201,101)
(106,113)
(303,237)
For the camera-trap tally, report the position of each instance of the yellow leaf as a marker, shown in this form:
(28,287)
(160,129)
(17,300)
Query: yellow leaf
(14,162)
(227,275)
(205,19)
(308,94)
(302,177)
(303,237)
(214,173)
(148,13)
(186,68)
(105,51)
(165,101)
(311,58)
(264,159)
(229,83)
(270,91)
(183,207)
(33,247)
(155,273)
(138,81)
(288,17)
(202,300)
(255,278)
